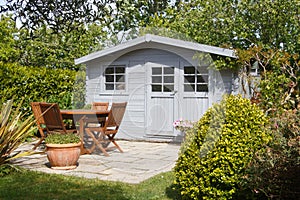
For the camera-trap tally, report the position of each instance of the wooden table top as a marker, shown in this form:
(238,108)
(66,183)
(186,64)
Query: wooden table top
(83,112)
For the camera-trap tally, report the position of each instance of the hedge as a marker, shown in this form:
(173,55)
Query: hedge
(36,84)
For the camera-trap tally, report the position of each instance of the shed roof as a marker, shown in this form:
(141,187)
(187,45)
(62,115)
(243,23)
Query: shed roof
(148,39)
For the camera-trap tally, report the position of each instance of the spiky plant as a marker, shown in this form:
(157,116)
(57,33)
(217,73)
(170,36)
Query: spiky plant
(13,131)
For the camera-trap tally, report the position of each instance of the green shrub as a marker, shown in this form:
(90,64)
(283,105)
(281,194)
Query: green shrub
(36,84)
(217,151)
(274,174)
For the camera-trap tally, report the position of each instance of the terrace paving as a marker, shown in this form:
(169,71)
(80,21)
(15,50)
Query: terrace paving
(140,161)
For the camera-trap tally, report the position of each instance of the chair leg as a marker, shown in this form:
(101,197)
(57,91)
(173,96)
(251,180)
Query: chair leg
(111,138)
(38,143)
(98,144)
(90,150)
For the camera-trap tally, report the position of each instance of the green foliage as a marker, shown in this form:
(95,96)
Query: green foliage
(78,97)
(217,152)
(36,84)
(65,17)
(7,169)
(280,84)
(13,131)
(8,50)
(237,24)
(60,15)
(44,48)
(275,173)
(279,87)
(134,14)
(59,138)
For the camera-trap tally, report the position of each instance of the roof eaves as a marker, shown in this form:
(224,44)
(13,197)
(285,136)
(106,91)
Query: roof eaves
(161,40)
(193,46)
(110,50)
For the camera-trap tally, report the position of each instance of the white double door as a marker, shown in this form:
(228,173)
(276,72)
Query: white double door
(167,99)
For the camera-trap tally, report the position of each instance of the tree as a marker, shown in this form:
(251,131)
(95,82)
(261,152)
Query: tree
(59,15)
(65,16)
(8,35)
(279,85)
(58,50)
(54,33)
(236,23)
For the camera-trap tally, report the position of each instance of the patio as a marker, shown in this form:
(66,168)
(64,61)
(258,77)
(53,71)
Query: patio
(140,161)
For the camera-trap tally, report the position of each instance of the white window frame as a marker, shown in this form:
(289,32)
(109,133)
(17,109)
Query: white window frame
(198,71)
(114,83)
(162,83)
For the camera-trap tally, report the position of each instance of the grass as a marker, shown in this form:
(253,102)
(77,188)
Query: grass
(27,184)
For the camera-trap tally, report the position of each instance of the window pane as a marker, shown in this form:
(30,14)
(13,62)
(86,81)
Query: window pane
(156,79)
(120,70)
(109,78)
(202,79)
(156,88)
(169,79)
(168,88)
(189,70)
(189,88)
(120,86)
(120,78)
(156,70)
(109,86)
(202,88)
(202,70)
(109,70)
(189,79)
(169,70)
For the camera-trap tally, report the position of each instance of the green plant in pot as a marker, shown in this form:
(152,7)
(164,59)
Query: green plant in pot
(63,150)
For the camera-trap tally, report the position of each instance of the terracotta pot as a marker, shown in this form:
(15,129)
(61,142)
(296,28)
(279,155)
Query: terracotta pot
(63,156)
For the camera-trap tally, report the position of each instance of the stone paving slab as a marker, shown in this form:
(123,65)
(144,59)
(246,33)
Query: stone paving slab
(140,161)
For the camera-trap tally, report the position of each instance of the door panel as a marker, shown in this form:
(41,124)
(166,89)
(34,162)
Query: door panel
(192,108)
(193,91)
(160,101)
(160,118)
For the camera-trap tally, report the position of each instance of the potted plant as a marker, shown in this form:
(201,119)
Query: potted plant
(63,150)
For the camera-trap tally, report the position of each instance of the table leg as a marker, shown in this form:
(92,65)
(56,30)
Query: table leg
(81,133)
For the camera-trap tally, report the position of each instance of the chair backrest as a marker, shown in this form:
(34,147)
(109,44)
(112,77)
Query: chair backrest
(37,113)
(39,118)
(100,105)
(115,115)
(52,117)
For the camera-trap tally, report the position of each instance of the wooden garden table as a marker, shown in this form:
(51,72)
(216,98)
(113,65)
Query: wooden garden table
(79,115)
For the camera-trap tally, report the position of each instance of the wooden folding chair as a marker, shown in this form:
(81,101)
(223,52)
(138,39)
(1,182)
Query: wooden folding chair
(39,120)
(53,119)
(110,128)
(100,105)
(100,121)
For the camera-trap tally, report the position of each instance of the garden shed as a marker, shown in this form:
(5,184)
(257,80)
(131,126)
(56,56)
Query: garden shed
(161,78)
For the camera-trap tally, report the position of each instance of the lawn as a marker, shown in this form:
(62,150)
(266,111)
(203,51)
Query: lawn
(26,184)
